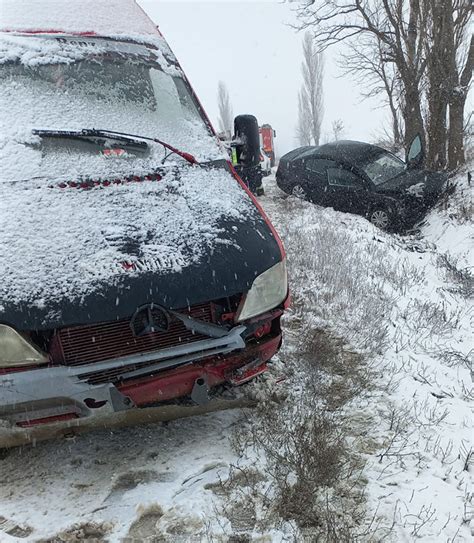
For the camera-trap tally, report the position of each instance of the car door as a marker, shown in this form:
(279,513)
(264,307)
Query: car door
(346,190)
(314,178)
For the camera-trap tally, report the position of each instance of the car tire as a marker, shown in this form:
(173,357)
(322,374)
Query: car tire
(299,192)
(381,217)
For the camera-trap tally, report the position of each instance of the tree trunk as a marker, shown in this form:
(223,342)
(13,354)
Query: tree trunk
(439,78)
(391,91)
(412,116)
(396,132)
(456,155)
(410,75)
(437,130)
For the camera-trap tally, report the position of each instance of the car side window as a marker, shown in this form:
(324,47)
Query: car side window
(343,177)
(318,165)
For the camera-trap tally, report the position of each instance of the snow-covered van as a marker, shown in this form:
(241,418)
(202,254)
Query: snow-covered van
(136,268)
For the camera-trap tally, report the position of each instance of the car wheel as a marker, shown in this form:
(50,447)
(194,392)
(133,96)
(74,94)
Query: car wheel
(381,218)
(299,192)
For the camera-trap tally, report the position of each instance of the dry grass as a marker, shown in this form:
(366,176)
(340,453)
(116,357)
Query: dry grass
(462,278)
(346,281)
(312,477)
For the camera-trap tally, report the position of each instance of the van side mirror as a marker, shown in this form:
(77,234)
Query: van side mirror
(415,155)
(247,139)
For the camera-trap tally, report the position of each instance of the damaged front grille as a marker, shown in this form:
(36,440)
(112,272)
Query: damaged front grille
(88,344)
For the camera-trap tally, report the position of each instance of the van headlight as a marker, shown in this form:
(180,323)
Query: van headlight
(16,351)
(268,290)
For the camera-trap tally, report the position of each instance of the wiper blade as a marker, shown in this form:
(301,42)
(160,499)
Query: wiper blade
(130,140)
(96,136)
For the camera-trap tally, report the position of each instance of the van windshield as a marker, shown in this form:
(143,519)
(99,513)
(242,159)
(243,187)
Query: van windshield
(112,92)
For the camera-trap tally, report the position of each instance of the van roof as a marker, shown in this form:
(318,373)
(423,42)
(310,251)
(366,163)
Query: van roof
(79,17)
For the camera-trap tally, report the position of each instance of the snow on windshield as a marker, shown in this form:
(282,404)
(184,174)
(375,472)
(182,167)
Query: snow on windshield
(55,84)
(104,17)
(63,243)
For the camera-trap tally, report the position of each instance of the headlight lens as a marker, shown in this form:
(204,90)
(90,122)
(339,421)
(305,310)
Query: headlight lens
(268,290)
(16,351)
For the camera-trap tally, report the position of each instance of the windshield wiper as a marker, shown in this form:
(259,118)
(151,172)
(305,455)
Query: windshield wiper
(183,154)
(97,137)
(131,141)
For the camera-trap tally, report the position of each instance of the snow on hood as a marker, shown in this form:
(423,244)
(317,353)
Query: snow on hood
(64,243)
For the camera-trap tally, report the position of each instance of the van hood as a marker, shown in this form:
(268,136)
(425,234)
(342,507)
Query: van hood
(83,252)
(419,184)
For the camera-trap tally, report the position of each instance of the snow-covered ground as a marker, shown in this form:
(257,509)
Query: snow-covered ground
(401,305)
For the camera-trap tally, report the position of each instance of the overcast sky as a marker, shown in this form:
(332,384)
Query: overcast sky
(250,46)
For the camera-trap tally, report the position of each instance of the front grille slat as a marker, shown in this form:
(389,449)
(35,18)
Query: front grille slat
(88,356)
(95,341)
(108,340)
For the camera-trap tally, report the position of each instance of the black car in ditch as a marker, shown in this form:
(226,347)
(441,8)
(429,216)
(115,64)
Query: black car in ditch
(365,179)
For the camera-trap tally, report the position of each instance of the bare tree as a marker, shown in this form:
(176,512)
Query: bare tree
(225,109)
(396,26)
(303,129)
(312,69)
(337,129)
(417,52)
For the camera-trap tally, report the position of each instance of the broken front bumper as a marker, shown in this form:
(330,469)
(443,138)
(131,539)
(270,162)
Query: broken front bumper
(73,394)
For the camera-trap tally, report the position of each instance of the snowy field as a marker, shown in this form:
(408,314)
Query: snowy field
(364,431)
